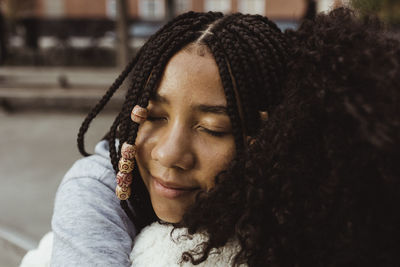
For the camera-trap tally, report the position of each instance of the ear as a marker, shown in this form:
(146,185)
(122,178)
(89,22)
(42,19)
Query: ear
(250,140)
(264,115)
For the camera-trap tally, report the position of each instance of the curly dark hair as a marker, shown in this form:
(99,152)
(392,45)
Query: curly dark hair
(321,183)
(251,54)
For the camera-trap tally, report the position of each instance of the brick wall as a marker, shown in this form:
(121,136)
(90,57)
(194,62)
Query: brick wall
(86,8)
(285,9)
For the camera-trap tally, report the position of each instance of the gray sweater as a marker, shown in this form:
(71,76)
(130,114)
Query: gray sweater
(90,228)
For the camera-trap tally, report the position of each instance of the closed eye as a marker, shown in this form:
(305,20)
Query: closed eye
(214,133)
(156,118)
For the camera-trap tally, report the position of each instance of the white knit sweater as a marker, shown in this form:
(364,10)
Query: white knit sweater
(155,246)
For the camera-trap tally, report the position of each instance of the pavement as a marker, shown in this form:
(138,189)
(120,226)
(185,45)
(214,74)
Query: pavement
(40,112)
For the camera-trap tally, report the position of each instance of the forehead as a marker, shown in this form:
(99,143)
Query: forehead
(194,77)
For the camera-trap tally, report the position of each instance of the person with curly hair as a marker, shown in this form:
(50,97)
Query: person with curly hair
(317,184)
(321,184)
(198,90)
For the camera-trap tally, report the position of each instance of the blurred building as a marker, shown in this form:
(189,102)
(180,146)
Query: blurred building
(86,24)
(38,19)
(326,5)
(156,9)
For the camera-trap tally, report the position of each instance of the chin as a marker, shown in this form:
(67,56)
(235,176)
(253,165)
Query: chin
(169,218)
(168,215)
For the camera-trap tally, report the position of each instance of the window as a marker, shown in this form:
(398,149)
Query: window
(251,6)
(152,9)
(182,6)
(324,5)
(327,5)
(217,5)
(111,9)
(54,8)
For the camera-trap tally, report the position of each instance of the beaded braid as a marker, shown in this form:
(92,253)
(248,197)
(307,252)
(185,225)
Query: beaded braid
(239,55)
(173,47)
(141,75)
(124,180)
(174,44)
(100,105)
(155,56)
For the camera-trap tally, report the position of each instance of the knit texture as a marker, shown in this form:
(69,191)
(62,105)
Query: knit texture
(157,245)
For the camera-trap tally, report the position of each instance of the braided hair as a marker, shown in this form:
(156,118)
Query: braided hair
(250,52)
(321,185)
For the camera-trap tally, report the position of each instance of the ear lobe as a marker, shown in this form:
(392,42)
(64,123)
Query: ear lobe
(250,140)
(264,115)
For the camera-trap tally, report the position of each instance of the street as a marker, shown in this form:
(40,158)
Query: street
(36,149)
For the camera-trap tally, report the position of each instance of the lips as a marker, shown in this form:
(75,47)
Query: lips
(171,190)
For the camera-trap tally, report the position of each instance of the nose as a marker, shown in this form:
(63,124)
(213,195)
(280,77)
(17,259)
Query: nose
(173,149)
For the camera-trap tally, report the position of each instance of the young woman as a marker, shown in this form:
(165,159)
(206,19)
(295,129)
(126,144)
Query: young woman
(198,92)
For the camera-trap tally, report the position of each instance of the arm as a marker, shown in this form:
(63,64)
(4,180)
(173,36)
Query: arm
(90,228)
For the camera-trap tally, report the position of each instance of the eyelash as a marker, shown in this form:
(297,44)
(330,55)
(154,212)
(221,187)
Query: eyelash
(208,131)
(214,133)
(154,118)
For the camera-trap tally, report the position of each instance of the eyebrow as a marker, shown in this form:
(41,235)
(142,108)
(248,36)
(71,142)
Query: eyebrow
(212,109)
(216,109)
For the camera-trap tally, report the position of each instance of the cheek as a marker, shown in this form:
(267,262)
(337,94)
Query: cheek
(143,134)
(213,161)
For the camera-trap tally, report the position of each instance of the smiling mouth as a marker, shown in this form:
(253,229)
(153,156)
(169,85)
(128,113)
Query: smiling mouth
(170,190)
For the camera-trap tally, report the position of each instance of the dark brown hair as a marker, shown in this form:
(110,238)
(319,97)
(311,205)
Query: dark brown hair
(321,183)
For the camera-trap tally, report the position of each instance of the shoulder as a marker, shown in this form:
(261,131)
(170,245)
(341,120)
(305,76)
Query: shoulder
(96,167)
(89,225)
(88,189)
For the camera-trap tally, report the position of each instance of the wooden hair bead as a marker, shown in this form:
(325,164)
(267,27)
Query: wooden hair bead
(124,179)
(126,165)
(139,114)
(123,193)
(128,151)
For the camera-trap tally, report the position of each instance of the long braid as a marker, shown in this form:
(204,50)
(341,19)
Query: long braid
(140,201)
(154,72)
(230,97)
(141,67)
(263,47)
(141,73)
(263,71)
(231,42)
(240,36)
(149,72)
(100,105)
(272,39)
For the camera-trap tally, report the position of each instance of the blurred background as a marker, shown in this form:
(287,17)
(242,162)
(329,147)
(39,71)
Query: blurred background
(57,58)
